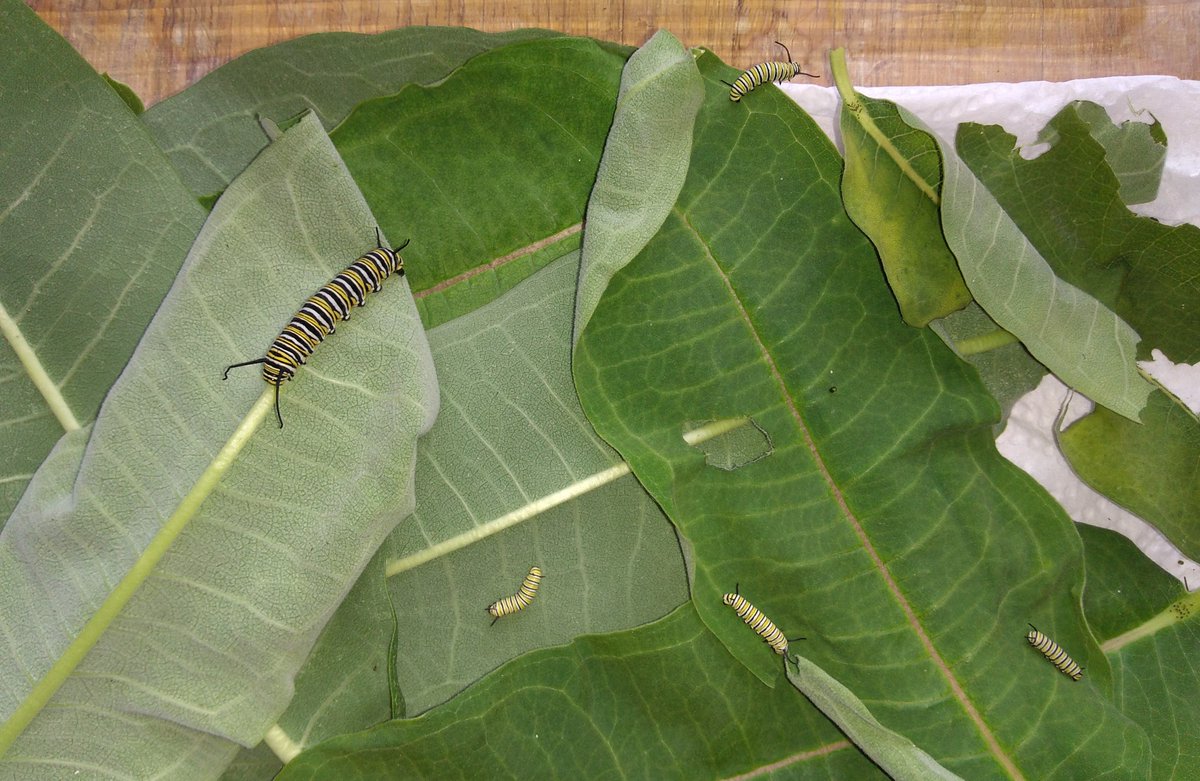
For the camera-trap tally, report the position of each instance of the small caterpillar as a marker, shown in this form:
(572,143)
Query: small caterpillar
(755,619)
(764,72)
(519,601)
(1054,652)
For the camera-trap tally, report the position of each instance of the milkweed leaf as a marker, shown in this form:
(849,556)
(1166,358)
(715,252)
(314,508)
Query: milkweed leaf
(505,218)
(211,131)
(657,717)
(1134,151)
(201,658)
(94,224)
(891,188)
(1074,335)
(1149,628)
(1152,469)
(897,755)
(1146,272)
(645,161)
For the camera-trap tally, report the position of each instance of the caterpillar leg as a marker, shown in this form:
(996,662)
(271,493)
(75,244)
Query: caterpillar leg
(278,414)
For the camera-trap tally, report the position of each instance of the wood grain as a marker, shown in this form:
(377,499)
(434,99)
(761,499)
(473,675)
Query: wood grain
(158,47)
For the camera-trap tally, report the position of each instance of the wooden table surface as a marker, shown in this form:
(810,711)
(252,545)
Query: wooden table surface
(158,47)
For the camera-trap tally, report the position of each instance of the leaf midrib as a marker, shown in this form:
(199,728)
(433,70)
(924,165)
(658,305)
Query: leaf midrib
(496,263)
(36,371)
(877,562)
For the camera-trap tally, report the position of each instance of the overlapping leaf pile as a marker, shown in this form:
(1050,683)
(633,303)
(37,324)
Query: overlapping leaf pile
(664,364)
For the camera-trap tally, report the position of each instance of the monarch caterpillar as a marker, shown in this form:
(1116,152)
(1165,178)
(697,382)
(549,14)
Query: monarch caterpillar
(764,72)
(755,619)
(519,601)
(322,311)
(1054,652)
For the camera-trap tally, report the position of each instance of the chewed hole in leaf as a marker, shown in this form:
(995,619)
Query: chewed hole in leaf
(729,443)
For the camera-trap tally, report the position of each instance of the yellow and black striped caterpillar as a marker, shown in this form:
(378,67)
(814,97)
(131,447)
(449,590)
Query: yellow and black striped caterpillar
(519,601)
(322,311)
(1054,652)
(764,72)
(755,619)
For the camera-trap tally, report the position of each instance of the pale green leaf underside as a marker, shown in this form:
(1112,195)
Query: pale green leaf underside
(93,226)
(510,432)
(1133,150)
(1146,272)
(510,437)
(644,164)
(203,656)
(1075,336)
(893,752)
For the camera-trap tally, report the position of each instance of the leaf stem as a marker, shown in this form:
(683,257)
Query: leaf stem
(37,372)
(281,744)
(984,342)
(96,626)
(851,103)
(1180,610)
(713,430)
(538,506)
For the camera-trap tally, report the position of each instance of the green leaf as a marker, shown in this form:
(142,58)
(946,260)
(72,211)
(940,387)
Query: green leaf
(644,164)
(1149,629)
(1073,334)
(884,526)
(211,130)
(890,188)
(490,170)
(93,226)
(126,93)
(195,650)
(1152,469)
(1004,365)
(1069,204)
(253,764)
(1134,151)
(660,701)
(897,755)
